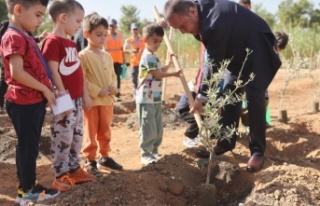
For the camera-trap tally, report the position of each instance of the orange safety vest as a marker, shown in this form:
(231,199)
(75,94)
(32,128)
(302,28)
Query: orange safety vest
(114,47)
(135,57)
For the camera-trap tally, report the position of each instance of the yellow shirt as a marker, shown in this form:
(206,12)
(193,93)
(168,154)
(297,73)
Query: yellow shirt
(99,73)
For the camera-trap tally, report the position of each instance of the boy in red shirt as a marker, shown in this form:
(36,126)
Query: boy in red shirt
(67,128)
(28,93)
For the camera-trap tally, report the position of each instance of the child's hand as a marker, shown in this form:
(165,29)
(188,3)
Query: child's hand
(104,92)
(86,102)
(178,73)
(169,60)
(67,113)
(50,97)
(112,90)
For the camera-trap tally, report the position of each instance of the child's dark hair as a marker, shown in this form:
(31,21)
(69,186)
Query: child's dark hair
(25,3)
(92,21)
(63,6)
(282,39)
(152,29)
(246,2)
(3,28)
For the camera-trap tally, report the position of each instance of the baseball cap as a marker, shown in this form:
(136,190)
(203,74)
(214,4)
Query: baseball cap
(134,26)
(113,22)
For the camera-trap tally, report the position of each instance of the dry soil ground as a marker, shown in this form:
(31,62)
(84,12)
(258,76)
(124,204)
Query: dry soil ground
(290,175)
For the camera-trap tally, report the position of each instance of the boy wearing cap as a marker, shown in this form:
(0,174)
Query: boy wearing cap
(134,46)
(113,46)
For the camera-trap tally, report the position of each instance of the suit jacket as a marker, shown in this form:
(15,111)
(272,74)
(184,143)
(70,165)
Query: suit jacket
(226,30)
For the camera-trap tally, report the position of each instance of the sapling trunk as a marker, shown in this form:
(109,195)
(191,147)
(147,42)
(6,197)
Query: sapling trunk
(315,107)
(212,155)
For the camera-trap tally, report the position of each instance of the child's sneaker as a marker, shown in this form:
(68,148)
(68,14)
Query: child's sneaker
(147,159)
(63,183)
(45,193)
(80,176)
(109,163)
(157,156)
(36,194)
(91,167)
(20,196)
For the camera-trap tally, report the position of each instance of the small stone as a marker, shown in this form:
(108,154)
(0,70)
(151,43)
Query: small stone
(175,188)
(93,200)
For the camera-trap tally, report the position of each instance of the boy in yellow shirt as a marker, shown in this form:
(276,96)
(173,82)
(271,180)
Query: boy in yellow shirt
(100,79)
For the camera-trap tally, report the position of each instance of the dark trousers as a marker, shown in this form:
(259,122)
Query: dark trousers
(193,130)
(27,121)
(134,77)
(118,71)
(3,88)
(256,110)
(257,120)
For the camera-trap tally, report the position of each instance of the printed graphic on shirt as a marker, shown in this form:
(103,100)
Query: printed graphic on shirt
(71,57)
(150,90)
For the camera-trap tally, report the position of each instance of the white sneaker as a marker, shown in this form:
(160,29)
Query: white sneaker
(190,143)
(148,159)
(198,140)
(157,156)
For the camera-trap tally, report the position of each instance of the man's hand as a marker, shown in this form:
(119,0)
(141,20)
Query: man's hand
(197,106)
(162,22)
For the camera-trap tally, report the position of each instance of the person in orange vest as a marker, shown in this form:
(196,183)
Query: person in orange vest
(134,46)
(114,46)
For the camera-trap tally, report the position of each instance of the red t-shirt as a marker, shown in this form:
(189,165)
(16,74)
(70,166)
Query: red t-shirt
(64,51)
(14,43)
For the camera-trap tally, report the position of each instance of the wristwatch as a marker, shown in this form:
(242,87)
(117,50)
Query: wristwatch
(202,97)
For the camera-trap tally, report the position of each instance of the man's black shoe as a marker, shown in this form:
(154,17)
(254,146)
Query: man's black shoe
(205,154)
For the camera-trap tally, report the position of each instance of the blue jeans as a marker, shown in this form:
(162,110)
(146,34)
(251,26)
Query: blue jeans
(27,121)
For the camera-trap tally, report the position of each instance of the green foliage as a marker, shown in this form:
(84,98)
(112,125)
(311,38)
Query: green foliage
(130,15)
(3,10)
(263,13)
(46,25)
(186,47)
(296,13)
(211,130)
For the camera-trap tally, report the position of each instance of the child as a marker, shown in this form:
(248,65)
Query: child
(101,80)
(148,97)
(28,93)
(67,128)
(282,40)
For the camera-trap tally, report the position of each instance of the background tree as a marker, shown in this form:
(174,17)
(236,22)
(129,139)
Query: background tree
(45,26)
(315,19)
(3,10)
(130,15)
(294,14)
(263,13)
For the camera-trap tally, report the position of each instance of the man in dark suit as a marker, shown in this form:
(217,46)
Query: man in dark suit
(227,29)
